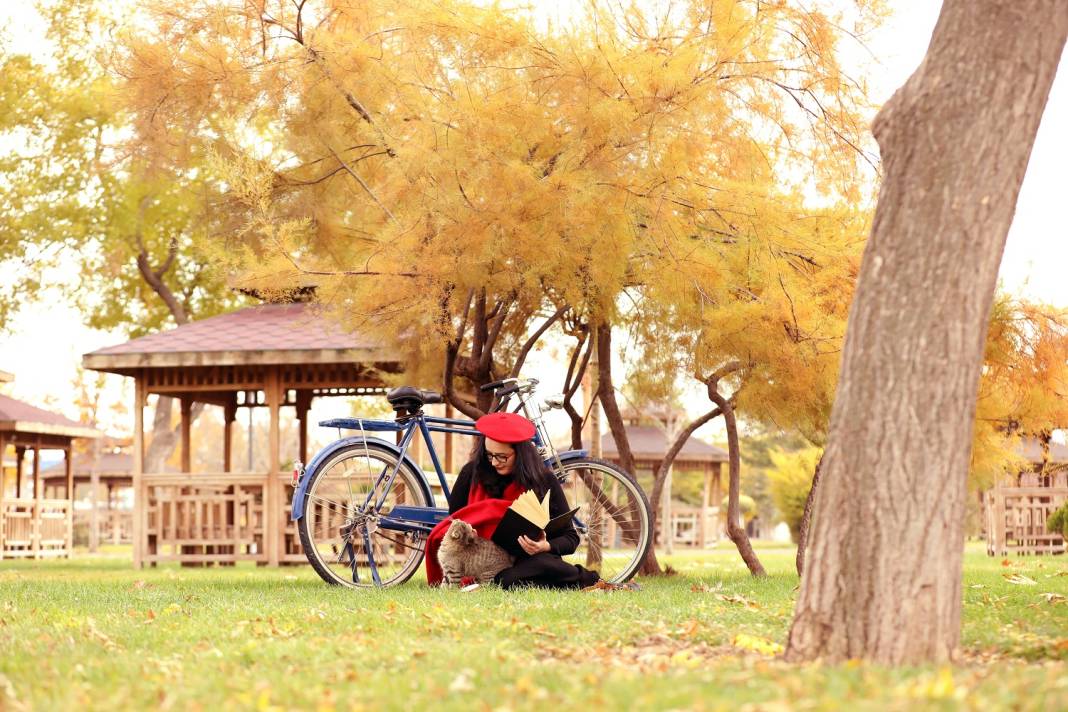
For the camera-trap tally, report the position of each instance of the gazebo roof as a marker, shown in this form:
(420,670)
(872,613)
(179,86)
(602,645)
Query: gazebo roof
(648,442)
(23,418)
(111,466)
(292,333)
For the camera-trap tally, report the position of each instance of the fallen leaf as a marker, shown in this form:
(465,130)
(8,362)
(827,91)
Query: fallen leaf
(1053,598)
(739,599)
(756,644)
(1020,579)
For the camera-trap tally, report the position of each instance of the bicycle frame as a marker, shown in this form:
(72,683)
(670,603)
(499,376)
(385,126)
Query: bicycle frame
(414,519)
(406,518)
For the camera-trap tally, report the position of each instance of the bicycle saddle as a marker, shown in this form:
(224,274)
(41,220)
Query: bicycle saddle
(411,398)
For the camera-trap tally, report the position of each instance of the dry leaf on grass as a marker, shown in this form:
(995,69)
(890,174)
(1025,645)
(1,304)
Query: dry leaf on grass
(1053,598)
(756,644)
(1020,579)
(740,600)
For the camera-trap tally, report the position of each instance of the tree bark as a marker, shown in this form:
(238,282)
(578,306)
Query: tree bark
(806,519)
(606,392)
(164,437)
(576,371)
(651,567)
(735,531)
(888,528)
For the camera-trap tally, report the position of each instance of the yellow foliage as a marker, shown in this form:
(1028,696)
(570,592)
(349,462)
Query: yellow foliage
(402,154)
(1023,390)
(790,479)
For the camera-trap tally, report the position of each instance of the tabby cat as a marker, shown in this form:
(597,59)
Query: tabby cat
(463,553)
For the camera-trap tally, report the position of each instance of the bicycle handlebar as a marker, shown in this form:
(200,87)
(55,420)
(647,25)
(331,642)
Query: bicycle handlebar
(502,394)
(496,384)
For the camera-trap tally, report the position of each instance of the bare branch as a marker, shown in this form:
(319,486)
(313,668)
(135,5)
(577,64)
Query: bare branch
(362,183)
(533,340)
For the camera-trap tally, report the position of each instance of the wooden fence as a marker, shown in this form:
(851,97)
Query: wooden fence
(35,528)
(215,517)
(1016,520)
(113,525)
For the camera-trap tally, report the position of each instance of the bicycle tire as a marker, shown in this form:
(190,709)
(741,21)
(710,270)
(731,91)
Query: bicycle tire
(406,476)
(637,502)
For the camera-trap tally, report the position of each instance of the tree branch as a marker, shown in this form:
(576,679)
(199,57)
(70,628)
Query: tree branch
(362,183)
(533,340)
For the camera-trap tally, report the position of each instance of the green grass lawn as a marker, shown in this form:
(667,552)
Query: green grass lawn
(94,632)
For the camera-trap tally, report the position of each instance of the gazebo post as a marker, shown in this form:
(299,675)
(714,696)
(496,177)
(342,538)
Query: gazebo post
(303,406)
(20,454)
(703,529)
(273,499)
(187,455)
(94,512)
(69,472)
(140,494)
(229,416)
(38,489)
(717,490)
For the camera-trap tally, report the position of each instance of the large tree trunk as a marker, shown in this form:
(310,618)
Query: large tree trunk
(888,530)
(735,531)
(806,519)
(606,394)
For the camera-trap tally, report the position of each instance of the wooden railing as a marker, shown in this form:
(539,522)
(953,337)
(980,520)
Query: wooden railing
(113,526)
(35,528)
(688,530)
(217,517)
(1016,520)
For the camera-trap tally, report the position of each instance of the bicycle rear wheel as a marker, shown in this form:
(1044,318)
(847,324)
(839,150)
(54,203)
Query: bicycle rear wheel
(340,532)
(613,520)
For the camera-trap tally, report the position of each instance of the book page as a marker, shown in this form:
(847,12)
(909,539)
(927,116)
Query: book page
(530,508)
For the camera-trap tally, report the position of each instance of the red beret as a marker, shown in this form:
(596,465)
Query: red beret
(505,427)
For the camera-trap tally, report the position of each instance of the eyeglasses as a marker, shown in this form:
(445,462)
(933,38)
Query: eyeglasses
(499,458)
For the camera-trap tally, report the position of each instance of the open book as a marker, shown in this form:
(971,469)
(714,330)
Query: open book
(529,516)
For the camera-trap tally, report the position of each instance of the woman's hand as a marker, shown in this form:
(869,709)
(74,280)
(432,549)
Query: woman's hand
(532,546)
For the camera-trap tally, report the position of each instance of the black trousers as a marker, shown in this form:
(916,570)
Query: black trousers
(546,570)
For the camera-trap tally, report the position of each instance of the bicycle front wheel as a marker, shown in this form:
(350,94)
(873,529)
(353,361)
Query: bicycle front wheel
(614,522)
(339,530)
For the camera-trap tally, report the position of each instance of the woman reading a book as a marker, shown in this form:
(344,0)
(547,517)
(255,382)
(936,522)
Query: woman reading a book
(504,464)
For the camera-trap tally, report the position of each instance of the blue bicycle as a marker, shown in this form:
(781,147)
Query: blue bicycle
(364,508)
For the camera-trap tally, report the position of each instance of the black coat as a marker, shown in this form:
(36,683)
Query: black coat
(563,544)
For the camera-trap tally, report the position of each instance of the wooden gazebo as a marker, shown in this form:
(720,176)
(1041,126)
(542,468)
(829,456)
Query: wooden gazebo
(102,482)
(271,356)
(1015,511)
(32,525)
(687,526)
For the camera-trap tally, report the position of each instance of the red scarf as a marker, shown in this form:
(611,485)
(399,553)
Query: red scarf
(482,512)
